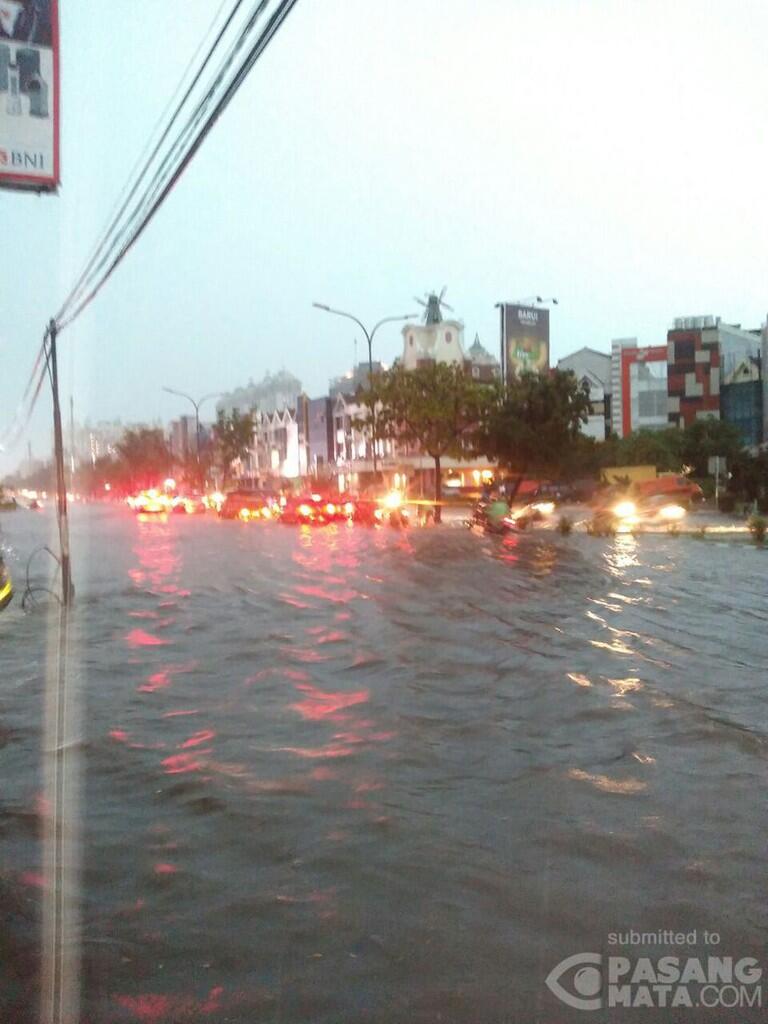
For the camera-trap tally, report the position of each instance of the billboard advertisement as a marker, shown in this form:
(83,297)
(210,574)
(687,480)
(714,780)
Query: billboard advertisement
(29,94)
(526,339)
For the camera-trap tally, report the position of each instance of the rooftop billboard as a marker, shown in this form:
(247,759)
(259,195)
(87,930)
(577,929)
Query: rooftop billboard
(526,339)
(29,94)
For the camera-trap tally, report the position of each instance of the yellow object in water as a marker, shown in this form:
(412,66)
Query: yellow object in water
(6,589)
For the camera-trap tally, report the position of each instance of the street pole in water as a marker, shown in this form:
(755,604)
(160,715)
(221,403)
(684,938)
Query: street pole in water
(61,486)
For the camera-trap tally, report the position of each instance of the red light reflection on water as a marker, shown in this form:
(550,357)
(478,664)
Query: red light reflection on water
(204,736)
(157,681)
(306,654)
(177,764)
(508,545)
(163,868)
(339,597)
(153,1008)
(162,679)
(139,638)
(321,704)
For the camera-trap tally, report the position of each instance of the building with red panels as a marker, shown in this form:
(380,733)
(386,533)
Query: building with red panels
(639,387)
(703,354)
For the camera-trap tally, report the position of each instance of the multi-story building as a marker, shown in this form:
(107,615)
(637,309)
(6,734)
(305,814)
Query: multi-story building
(320,436)
(702,353)
(706,369)
(741,400)
(274,391)
(350,383)
(181,438)
(593,371)
(279,449)
(92,441)
(638,386)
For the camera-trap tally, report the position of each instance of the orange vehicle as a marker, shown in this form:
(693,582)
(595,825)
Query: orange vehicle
(674,487)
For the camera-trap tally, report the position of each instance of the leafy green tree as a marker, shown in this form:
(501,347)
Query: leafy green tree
(434,408)
(532,422)
(705,438)
(659,448)
(144,455)
(233,437)
(90,478)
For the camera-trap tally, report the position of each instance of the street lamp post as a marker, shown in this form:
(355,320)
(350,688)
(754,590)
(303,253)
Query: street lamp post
(196,404)
(369,335)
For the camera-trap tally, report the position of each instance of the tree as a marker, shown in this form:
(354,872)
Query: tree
(533,421)
(145,456)
(749,477)
(705,438)
(233,437)
(659,448)
(435,408)
(90,478)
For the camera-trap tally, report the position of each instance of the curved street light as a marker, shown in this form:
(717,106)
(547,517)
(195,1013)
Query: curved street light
(196,404)
(369,335)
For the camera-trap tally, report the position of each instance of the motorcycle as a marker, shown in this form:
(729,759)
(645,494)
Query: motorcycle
(498,524)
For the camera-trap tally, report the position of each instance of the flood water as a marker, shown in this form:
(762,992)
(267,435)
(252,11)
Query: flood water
(344,774)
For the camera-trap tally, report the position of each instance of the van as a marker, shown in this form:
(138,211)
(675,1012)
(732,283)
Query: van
(677,488)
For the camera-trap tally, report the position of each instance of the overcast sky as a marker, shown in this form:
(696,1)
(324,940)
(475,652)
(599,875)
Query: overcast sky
(613,154)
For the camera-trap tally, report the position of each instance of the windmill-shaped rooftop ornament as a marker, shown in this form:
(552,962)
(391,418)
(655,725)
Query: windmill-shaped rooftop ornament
(434,306)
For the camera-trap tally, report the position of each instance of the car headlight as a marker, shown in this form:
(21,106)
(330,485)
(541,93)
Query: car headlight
(672,512)
(625,509)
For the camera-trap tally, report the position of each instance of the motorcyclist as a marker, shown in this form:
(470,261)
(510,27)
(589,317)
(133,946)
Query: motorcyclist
(496,511)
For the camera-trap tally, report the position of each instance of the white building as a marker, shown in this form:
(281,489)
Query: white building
(593,369)
(279,450)
(273,392)
(441,342)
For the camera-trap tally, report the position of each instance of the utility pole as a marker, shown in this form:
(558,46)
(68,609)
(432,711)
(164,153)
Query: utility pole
(72,441)
(61,486)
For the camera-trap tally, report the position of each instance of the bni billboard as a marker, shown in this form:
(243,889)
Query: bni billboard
(29,94)
(525,339)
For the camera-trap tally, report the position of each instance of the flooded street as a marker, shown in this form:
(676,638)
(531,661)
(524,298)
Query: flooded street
(343,774)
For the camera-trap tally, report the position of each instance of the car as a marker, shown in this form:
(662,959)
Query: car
(673,488)
(375,510)
(189,504)
(244,504)
(150,502)
(304,508)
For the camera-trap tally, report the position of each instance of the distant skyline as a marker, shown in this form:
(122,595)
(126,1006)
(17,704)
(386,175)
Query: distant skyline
(610,154)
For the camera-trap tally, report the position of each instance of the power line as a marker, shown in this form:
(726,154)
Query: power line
(122,203)
(26,405)
(139,217)
(160,186)
(162,189)
(117,240)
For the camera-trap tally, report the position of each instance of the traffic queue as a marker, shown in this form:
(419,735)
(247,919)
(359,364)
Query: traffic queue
(259,506)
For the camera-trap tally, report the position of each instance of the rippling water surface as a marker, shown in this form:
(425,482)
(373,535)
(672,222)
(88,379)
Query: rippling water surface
(350,775)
